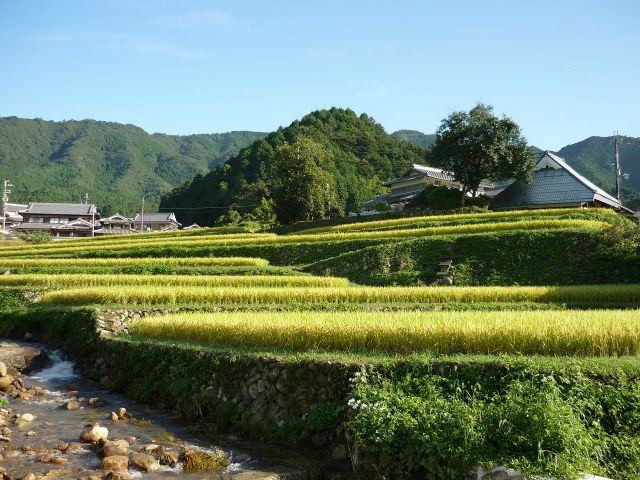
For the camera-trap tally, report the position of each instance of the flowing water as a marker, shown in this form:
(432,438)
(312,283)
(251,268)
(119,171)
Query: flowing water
(55,425)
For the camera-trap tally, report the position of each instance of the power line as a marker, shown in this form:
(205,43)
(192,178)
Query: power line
(206,208)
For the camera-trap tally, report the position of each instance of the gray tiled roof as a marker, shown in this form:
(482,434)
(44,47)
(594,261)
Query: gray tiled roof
(156,217)
(70,209)
(15,207)
(552,187)
(418,171)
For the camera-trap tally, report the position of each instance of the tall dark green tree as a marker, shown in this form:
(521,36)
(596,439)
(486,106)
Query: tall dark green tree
(303,190)
(476,146)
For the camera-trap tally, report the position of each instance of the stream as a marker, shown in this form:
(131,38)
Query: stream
(49,445)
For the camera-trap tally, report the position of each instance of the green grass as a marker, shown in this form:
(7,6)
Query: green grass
(579,333)
(173,295)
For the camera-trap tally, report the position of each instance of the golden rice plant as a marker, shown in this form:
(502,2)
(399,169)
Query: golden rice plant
(555,332)
(398,222)
(248,240)
(154,294)
(98,280)
(131,241)
(128,261)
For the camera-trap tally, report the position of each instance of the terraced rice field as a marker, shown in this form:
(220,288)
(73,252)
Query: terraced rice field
(467,217)
(126,261)
(583,333)
(253,286)
(62,248)
(171,281)
(175,295)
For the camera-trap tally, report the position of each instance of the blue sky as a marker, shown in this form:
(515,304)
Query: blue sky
(564,70)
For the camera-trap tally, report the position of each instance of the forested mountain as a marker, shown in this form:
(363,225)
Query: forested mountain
(115,163)
(361,154)
(423,140)
(594,158)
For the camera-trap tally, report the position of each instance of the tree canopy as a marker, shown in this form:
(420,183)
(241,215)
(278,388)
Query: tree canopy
(357,154)
(303,190)
(476,145)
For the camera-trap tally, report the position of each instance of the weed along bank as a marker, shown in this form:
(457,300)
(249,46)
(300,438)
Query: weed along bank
(334,351)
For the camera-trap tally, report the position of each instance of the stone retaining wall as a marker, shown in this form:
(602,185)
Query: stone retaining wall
(257,395)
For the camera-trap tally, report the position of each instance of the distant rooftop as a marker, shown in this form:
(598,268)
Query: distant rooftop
(160,217)
(69,209)
(418,170)
(554,183)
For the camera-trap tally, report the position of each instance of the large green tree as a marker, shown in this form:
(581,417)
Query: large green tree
(303,190)
(477,145)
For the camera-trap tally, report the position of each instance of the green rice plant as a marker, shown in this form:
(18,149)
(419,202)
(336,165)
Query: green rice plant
(583,294)
(400,222)
(580,333)
(125,261)
(88,280)
(249,240)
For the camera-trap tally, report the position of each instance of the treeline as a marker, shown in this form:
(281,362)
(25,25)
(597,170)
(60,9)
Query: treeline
(345,158)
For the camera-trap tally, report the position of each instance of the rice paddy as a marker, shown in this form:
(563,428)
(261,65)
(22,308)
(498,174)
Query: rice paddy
(131,261)
(255,289)
(580,333)
(97,280)
(178,294)
(400,222)
(62,248)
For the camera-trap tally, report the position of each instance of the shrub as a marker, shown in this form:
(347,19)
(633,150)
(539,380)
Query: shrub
(431,426)
(36,237)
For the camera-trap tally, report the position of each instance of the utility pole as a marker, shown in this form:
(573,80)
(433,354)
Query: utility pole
(142,216)
(93,215)
(5,199)
(616,142)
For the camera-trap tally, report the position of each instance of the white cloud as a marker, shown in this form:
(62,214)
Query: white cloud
(210,20)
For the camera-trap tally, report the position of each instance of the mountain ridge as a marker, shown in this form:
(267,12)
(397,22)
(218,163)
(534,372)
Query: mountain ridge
(116,163)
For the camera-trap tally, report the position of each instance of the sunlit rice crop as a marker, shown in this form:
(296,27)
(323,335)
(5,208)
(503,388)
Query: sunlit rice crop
(247,240)
(374,224)
(126,261)
(88,280)
(592,333)
(587,294)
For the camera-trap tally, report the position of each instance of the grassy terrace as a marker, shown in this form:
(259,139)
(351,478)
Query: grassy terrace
(62,248)
(466,218)
(171,281)
(581,333)
(181,295)
(124,261)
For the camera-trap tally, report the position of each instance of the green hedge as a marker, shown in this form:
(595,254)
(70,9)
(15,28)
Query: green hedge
(553,418)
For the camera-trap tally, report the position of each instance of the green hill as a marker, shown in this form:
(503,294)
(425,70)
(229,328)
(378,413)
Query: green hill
(362,156)
(420,139)
(114,163)
(594,157)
